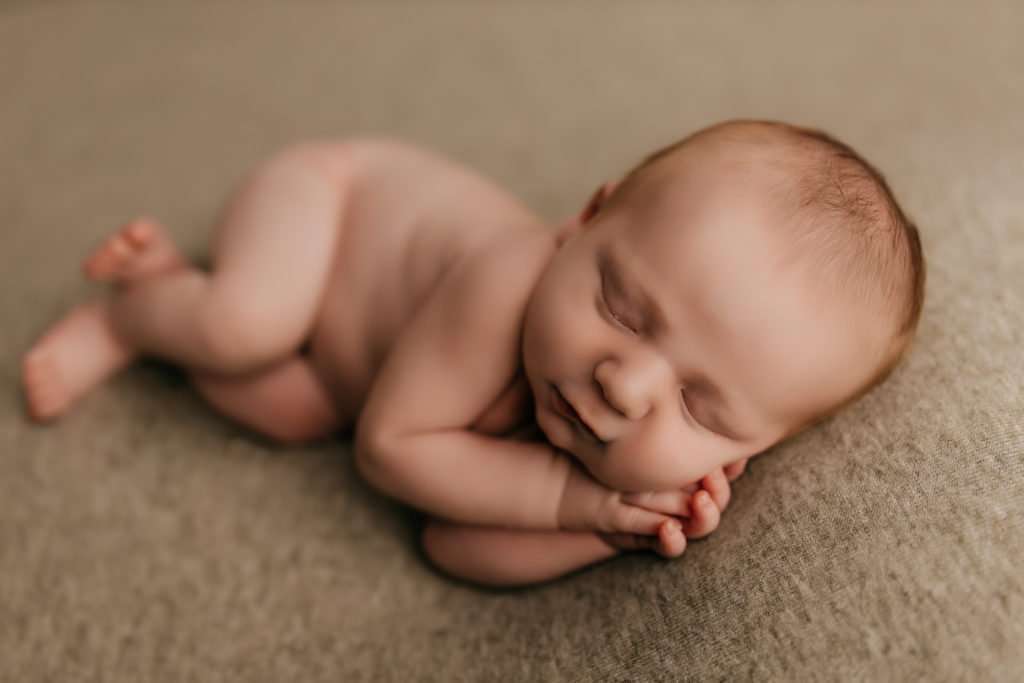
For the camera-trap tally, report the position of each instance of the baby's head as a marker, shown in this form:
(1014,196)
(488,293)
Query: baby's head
(732,290)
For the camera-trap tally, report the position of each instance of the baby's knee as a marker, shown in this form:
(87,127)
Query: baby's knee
(241,337)
(329,158)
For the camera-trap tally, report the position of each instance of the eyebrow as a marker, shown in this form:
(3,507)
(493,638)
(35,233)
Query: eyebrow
(708,392)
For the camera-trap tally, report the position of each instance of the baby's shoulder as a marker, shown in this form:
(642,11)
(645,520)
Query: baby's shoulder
(497,277)
(433,214)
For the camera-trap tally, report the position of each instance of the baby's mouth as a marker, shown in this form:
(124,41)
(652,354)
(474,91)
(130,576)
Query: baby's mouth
(565,409)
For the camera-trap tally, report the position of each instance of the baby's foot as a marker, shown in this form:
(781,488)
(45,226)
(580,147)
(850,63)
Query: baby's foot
(137,250)
(76,354)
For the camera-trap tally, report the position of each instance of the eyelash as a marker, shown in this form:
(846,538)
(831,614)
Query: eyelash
(686,408)
(693,417)
(607,307)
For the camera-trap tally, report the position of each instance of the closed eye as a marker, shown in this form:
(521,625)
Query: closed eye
(688,412)
(616,318)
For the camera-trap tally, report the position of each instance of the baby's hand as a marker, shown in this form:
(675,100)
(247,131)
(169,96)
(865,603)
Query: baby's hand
(588,505)
(700,505)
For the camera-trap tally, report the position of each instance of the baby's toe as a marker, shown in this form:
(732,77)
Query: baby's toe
(120,249)
(139,233)
(109,259)
(101,264)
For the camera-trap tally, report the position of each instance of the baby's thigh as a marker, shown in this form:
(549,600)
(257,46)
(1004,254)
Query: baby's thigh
(273,249)
(285,402)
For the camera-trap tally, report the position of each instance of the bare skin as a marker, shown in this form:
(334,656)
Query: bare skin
(286,335)
(372,285)
(82,349)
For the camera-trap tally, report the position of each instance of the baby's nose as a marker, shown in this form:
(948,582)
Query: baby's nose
(631,389)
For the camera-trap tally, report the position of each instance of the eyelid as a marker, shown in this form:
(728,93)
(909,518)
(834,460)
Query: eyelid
(607,306)
(693,417)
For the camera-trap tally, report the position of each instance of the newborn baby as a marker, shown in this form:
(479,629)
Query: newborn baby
(733,289)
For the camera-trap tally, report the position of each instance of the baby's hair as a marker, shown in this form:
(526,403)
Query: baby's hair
(842,212)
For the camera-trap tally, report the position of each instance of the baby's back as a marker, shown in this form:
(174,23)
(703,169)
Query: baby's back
(410,214)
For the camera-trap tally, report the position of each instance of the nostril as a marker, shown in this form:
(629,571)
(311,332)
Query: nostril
(619,404)
(599,389)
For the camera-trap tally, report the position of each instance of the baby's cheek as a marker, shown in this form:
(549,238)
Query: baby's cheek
(634,465)
(678,461)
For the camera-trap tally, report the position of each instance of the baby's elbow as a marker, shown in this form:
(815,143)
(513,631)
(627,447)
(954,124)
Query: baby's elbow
(378,450)
(372,458)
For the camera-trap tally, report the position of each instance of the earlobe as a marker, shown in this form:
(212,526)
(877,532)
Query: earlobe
(597,200)
(566,230)
(593,206)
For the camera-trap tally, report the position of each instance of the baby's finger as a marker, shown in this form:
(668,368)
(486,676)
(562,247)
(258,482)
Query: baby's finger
(704,517)
(718,486)
(691,488)
(631,519)
(671,540)
(735,469)
(628,541)
(669,502)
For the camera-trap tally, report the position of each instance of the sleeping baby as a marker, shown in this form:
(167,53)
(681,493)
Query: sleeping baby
(547,397)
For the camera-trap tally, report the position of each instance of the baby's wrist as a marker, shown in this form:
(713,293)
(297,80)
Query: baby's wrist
(582,500)
(613,542)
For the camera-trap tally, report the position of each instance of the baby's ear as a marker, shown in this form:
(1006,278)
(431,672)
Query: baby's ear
(597,201)
(593,206)
(569,229)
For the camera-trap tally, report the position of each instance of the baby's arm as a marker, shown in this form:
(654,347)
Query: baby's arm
(462,348)
(512,557)
(451,360)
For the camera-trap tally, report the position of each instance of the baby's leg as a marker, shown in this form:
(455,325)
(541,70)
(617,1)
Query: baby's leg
(272,255)
(286,402)
(81,349)
(510,557)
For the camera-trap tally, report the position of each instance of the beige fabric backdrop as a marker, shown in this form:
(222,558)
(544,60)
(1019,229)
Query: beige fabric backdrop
(144,538)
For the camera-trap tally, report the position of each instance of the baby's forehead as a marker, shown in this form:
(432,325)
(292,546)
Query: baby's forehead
(720,176)
(726,255)
(721,209)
